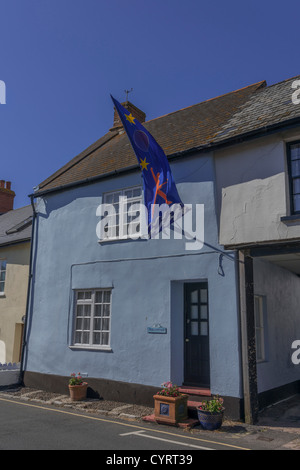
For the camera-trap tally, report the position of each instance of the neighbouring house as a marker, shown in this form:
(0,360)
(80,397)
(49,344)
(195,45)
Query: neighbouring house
(15,241)
(131,314)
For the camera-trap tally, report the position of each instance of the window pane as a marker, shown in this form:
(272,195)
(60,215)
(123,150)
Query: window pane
(106,296)
(194,296)
(1,286)
(96,338)
(295,151)
(85,337)
(87,310)
(97,312)
(194,312)
(80,310)
(203,328)
(105,324)
(203,296)
(297,202)
(98,298)
(78,336)
(259,350)
(295,168)
(97,323)
(105,339)
(296,186)
(204,312)
(194,328)
(106,310)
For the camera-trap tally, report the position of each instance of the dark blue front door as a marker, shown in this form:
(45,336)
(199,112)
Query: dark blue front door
(197,369)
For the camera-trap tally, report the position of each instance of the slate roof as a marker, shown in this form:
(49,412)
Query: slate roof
(15,225)
(202,125)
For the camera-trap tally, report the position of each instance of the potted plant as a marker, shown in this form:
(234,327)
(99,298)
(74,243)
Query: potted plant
(211,413)
(170,405)
(77,387)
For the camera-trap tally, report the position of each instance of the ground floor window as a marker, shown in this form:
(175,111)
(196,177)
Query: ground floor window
(259,328)
(92,318)
(2,275)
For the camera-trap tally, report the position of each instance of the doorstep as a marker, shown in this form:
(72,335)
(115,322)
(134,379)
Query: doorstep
(203,392)
(186,423)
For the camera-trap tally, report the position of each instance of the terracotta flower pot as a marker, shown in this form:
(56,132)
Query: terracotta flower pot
(170,410)
(78,392)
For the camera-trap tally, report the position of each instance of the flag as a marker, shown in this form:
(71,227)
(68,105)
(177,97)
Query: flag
(158,183)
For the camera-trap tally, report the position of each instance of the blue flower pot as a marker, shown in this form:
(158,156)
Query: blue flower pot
(210,421)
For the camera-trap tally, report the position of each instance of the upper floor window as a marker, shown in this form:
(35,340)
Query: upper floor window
(123,219)
(2,275)
(293,152)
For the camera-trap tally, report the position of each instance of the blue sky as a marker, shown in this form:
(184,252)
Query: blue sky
(61,59)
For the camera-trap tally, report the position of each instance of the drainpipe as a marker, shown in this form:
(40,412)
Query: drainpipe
(24,342)
(248,337)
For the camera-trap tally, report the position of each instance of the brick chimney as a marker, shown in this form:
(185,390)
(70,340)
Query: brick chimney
(136,112)
(6,197)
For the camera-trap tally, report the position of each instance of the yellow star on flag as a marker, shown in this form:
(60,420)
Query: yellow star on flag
(130,118)
(144,164)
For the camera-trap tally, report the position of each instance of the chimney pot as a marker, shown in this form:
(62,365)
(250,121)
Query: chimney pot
(6,197)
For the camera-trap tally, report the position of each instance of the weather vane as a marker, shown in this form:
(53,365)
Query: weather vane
(127,92)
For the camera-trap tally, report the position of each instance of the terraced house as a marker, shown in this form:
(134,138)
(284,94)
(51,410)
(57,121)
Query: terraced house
(131,314)
(15,237)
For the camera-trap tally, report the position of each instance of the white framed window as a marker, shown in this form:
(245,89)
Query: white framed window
(2,275)
(259,328)
(92,318)
(124,220)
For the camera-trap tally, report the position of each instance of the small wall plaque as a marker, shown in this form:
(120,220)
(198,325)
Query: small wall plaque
(157,329)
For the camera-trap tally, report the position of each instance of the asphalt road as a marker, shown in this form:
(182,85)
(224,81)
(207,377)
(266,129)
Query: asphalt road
(27,426)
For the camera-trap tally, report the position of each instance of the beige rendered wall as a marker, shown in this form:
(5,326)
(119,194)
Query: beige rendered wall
(13,302)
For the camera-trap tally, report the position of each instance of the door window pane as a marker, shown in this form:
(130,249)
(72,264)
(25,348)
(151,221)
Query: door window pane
(203,296)
(203,328)
(203,311)
(194,297)
(194,328)
(194,312)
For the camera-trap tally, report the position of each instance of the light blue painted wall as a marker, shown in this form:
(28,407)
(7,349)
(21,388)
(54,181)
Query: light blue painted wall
(147,281)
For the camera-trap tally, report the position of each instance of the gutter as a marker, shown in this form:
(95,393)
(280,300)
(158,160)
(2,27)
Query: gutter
(24,341)
(291,123)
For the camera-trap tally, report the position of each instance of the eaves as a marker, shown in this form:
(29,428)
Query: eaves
(211,146)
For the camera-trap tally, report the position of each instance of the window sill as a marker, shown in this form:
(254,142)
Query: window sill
(91,348)
(291,219)
(124,239)
(2,294)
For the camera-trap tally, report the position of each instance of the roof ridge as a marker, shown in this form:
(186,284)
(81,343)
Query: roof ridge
(283,81)
(261,84)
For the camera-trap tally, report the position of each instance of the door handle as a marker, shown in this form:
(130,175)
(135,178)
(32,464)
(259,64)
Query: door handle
(187,340)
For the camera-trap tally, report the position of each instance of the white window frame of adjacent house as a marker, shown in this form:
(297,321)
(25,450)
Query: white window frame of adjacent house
(123,200)
(2,276)
(259,313)
(92,318)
